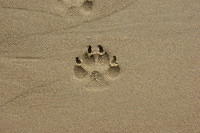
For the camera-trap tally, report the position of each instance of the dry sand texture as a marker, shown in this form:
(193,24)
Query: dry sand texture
(99,66)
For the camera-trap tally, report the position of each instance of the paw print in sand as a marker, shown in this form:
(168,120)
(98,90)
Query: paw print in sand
(98,67)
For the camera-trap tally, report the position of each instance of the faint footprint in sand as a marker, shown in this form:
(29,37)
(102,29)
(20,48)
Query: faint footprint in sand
(96,66)
(77,7)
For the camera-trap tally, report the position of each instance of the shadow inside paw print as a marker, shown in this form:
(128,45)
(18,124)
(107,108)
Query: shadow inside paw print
(97,66)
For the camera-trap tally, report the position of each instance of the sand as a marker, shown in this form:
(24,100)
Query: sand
(99,66)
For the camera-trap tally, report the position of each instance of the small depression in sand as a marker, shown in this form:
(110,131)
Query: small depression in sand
(98,67)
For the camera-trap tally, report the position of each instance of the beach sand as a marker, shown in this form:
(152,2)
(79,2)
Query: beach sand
(99,66)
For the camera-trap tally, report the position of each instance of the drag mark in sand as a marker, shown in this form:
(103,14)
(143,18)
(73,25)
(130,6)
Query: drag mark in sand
(98,67)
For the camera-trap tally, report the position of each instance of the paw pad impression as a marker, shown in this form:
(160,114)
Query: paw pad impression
(97,66)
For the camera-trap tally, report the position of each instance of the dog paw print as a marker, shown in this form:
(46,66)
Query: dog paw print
(98,67)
